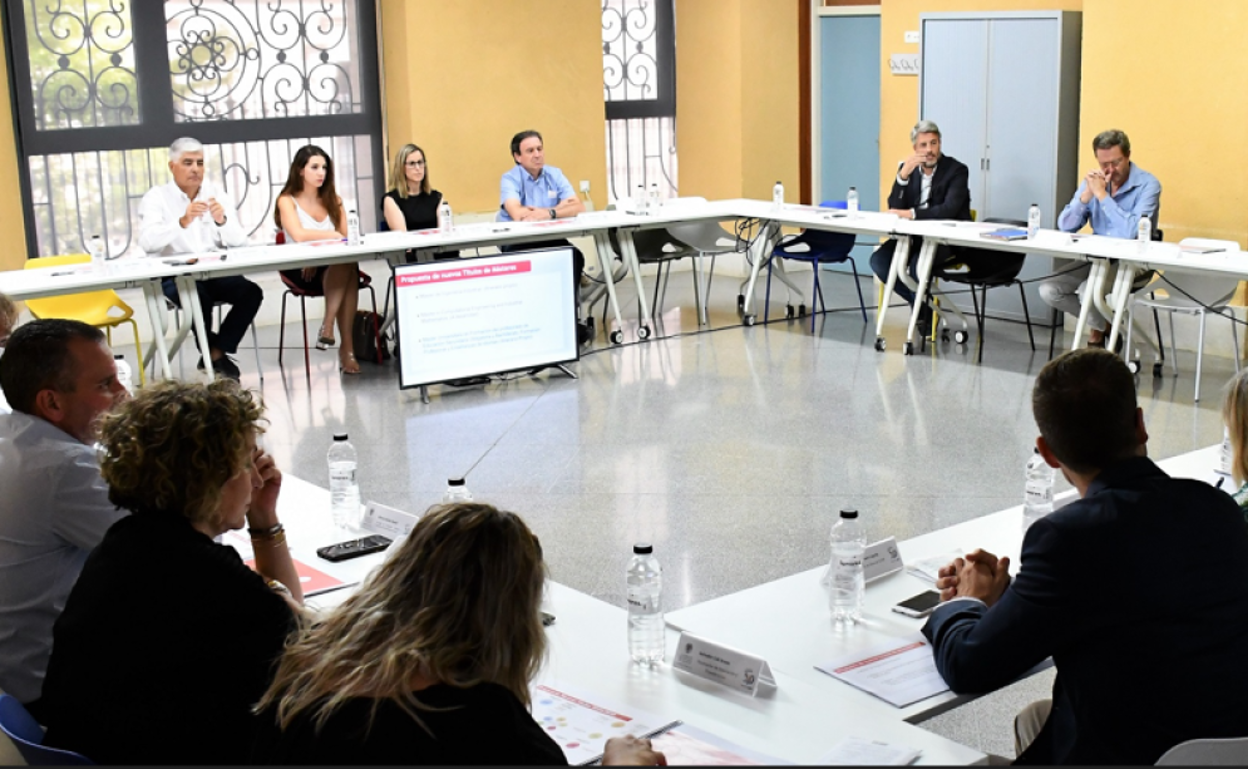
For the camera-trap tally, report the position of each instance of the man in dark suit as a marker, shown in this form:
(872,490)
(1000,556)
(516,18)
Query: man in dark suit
(929,185)
(1138,591)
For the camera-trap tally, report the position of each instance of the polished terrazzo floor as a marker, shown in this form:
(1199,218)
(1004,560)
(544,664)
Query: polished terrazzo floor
(731,450)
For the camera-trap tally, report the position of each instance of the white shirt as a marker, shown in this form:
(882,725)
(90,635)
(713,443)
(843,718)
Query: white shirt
(160,233)
(54,510)
(925,185)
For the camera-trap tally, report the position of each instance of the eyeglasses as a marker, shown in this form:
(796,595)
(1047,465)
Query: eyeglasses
(415,164)
(1114,164)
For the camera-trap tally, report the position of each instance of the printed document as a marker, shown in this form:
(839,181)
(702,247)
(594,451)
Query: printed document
(901,670)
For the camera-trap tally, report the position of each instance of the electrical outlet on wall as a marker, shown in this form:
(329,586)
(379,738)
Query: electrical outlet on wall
(584,185)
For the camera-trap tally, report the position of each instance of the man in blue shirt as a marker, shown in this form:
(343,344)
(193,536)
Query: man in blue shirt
(1113,197)
(534,192)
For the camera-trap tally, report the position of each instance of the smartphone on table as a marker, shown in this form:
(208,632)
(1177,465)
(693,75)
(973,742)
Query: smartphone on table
(350,549)
(919,606)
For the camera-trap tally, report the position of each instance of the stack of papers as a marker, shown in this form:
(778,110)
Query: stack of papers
(581,723)
(859,752)
(900,671)
(927,569)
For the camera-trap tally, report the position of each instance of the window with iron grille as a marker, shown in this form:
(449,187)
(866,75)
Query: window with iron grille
(639,87)
(102,87)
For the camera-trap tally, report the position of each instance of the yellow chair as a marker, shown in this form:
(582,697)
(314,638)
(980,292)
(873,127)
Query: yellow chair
(92,307)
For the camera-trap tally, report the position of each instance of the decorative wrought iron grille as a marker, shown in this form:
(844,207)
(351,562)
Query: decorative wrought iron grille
(251,79)
(639,88)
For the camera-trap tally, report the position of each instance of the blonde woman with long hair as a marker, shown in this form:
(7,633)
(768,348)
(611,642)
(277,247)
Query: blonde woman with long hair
(1235,415)
(430,662)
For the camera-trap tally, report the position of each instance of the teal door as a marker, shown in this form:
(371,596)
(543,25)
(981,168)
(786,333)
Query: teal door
(849,115)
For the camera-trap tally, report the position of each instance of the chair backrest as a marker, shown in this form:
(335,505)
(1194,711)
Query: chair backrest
(705,236)
(26,734)
(1207,752)
(73,306)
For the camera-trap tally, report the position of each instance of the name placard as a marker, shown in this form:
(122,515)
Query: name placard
(384,520)
(880,559)
(732,668)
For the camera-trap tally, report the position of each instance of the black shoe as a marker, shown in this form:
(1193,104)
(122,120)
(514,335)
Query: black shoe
(584,332)
(924,327)
(222,367)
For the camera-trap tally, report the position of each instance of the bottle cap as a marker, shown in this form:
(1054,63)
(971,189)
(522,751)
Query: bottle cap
(454,482)
(340,437)
(849,513)
(118,357)
(643,548)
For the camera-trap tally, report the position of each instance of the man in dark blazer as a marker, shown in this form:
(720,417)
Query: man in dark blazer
(929,185)
(1138,591)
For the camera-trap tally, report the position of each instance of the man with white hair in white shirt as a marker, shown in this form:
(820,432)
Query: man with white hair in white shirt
(189,215)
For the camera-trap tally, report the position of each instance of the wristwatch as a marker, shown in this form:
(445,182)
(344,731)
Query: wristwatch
(552,213)
(222,222)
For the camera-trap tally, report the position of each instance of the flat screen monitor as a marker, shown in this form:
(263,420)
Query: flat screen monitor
(485,315)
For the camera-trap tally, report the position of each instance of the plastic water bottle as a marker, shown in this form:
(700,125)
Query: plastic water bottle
(851,201)
(777,195)
(1038,493)
(1144,232)
(654,202)
(344,488)
(1226,454)
(1033,221)
(95,247)
(456,492)
(446,220)
(645,606)
(639,200)
(848,580)
(353,228)
(124,375)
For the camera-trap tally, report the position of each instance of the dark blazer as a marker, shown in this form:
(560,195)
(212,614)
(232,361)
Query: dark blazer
(1139,592)
(950,197)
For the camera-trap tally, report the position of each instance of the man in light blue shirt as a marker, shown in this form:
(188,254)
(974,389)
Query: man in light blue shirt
(534,192)
(1113,197)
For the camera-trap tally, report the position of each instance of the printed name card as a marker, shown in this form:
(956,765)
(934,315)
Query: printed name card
(732,668)
(880,559)
(391,522)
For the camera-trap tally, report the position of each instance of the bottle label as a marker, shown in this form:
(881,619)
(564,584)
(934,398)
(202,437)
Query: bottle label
(642,604)
(342,474)
(1038,493)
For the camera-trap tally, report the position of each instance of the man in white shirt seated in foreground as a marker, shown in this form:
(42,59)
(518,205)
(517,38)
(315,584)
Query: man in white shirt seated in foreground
(189,215)
(59,377)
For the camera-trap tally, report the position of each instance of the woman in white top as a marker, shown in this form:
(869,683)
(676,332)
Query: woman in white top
(309,209)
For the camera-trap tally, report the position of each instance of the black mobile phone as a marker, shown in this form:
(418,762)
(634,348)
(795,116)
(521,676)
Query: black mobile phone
(919,606)
(350,549)
(547,619)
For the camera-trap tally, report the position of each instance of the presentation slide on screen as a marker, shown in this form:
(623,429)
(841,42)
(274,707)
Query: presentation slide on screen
(470,317)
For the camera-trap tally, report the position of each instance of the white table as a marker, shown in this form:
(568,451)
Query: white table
(787,622)
(588,651)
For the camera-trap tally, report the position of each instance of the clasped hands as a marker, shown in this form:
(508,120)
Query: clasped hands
(531,214)
(199,208)
(979,575)
(1096,183)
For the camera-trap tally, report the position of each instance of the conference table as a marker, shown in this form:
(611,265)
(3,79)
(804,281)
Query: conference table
(1103,253)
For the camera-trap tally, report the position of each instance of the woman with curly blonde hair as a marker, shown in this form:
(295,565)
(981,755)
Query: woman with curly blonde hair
(430,662)
(167,639)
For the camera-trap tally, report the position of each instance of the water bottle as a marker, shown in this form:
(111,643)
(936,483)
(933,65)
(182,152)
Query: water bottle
(344,489)
(777,195)
(645,606)
(851,201)
(95,247)
(456,492)
(848,580)
(1038,494)
(653,203)
(1227,453)
(124,375)
(1033,220)
(353,228)
(1144,232)
(446,220)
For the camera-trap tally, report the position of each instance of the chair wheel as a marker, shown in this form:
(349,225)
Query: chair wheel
(1133,366)
(880,344)
(740,302)
(961,336)
(617,337)
(1157,369)
(643,333)
(788,311)
(749,319)
(801,310)
(944,335)
(908,349)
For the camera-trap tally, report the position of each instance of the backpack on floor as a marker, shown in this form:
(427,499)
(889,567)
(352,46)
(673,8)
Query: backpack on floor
(369,344)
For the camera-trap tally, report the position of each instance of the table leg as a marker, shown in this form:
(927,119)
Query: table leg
(602,247)
(630,257)
(697,289)
(1095,283)
(927,255)
(190,306)
(901,255)
(1121,296)
(153,294)
(763,248)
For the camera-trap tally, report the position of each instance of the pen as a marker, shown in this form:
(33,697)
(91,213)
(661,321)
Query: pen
(1219,484)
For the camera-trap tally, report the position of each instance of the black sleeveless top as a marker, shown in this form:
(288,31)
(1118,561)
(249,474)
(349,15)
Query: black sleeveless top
(420,212)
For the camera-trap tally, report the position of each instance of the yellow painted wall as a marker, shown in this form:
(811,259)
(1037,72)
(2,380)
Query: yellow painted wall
(462,77)
(737,97)
(12,223)
(899,95)
(1180,91)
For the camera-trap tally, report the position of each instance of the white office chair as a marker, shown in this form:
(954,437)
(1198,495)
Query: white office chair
(1189,294)
(1207,752)
(709,239)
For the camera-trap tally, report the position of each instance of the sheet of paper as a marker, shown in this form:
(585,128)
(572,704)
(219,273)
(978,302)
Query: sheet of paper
(581,723)
(926,569)
(900,671)
(311,579)
(859,752)
(687,746)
